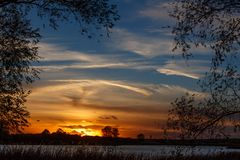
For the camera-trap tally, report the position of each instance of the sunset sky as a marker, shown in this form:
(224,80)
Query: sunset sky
(127,80)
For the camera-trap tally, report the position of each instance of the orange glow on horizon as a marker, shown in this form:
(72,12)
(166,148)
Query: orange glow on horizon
(89,127)
(82,132)
(37,127)
(88,132)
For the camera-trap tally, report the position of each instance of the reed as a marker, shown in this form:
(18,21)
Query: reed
(83,153)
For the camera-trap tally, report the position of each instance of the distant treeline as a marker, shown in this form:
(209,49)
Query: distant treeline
(65,139)
(68,139)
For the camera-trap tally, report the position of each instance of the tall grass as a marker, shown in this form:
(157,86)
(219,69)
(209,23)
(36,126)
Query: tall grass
(81,153)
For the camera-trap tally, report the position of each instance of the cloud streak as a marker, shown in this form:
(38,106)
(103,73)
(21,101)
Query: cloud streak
(142,45)
(192,68)
(54,53)
(108,117)
(114,95)
(178,73)
(110,83)
(157,11)
(95,127)
(128,87)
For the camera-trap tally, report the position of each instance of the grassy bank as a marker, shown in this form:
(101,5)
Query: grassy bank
(63,153)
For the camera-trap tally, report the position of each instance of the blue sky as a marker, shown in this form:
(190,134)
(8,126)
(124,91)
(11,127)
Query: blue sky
(131,75)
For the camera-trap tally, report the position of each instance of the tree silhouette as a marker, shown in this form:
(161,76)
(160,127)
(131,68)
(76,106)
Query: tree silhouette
(207,23)
(215,112)
(45,132)
(17,52)
(59,131)
(214,25)
(109,131)
(18,45)
(3,131)
(90,14)
(115,132)
(140,136)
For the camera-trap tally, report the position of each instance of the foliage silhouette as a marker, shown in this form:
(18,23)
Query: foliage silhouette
(91,14)
(207,23)
(109,131)
(59,131)
(215,112)
(140,136)
(17,53)
(45,132)
(115,132)
(214,25)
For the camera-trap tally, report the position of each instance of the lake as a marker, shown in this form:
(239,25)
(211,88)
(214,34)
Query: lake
(132,149)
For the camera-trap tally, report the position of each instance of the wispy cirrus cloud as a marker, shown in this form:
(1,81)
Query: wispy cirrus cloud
(140,44)
(59,58)
(109,83)
(178,73)
(157,11)
(54,53)
(87,92)
(128,87)
(192,68)
(143,46)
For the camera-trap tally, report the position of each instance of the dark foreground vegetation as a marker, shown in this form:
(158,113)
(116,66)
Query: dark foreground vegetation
(68,139)
(61,153)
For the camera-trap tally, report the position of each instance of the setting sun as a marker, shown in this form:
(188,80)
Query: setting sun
(88,132)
